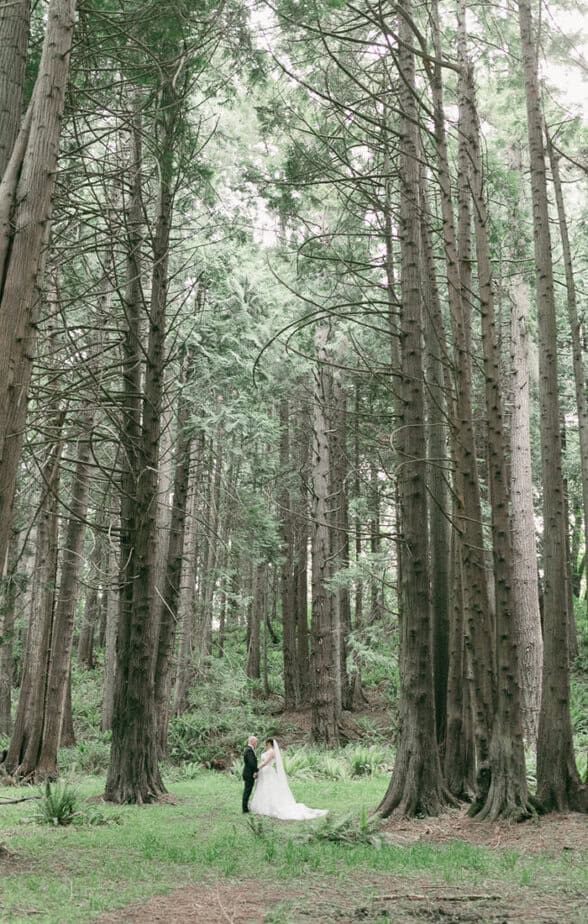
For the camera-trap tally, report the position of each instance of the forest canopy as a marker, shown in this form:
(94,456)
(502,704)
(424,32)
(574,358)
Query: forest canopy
(293,405)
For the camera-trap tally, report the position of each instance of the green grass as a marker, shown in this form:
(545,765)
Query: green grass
(64,875)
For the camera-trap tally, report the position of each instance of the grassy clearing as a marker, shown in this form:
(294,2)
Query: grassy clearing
(63,875)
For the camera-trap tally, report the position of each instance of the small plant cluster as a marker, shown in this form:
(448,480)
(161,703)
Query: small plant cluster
(348,830)
(60,805)
(351,762)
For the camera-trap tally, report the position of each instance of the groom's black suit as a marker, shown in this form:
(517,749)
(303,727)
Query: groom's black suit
(250,768)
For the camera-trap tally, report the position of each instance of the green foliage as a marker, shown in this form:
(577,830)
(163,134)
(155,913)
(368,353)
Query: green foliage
(58,805)
(348,830)
(90,758)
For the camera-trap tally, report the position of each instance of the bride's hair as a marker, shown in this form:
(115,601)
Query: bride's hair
(269,741)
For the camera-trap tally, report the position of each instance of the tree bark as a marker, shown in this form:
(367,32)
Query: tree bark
(287,575)
(15,16)
(25,743)
(175,555)
(505,793)
(325,667)
(558,781)
(575,332)
(468,511)
(8,598)
(416,785)
(26,200)
(58,670)
(133,774)
(524,546)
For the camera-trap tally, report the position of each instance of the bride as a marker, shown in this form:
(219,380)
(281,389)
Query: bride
(272,794)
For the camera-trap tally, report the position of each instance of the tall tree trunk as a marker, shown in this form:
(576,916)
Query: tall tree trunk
(26,199)
(112,610)
(288,590)
(340,530)
(8,598)
(23,753)
(188,589)
(437,475)
(64,619)
(300,551)
(15,18)
(175,555)
(325,668)
(453,678)
(256,617)
(558,782)
(506,794)
(468,511)
(574,321)
(416,784)
(524,546)
(133,773)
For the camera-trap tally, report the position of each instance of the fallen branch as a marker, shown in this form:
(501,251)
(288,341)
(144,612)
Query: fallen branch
(22,799)
(439,898)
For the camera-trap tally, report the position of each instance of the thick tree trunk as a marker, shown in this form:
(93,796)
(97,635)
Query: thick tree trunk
(175,555)
(524,545)
(58,672)
(133,773)
(15,18)
(468,511)
(23,753)
(416,785)
(438,473)
(575,332)
(506,794)
(452,679)
(558,782)
(26,199)
(325,667)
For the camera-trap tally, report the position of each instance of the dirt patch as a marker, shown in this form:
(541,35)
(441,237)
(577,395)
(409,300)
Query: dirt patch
(246,902)
(403,901)
(549,834)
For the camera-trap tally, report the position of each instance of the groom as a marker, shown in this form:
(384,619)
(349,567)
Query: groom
(249,770)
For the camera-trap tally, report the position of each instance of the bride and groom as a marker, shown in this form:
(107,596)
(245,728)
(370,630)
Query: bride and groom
(272,795)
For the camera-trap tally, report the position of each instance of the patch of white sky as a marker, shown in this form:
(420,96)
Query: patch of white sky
(567,78)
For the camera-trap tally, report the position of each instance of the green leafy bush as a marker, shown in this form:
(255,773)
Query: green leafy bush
(58,805)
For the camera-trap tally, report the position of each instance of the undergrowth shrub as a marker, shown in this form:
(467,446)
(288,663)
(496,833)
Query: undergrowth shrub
(86,758)
(60,805)
(348,830)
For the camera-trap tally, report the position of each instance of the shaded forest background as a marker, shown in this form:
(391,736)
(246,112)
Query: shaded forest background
(293,418)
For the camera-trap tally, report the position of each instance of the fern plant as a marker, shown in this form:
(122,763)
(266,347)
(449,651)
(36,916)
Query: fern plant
(59,805)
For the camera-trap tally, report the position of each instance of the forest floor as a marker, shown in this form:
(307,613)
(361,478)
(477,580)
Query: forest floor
(195,858)
(405,899)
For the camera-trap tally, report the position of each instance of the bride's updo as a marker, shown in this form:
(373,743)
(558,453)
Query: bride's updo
(270,741)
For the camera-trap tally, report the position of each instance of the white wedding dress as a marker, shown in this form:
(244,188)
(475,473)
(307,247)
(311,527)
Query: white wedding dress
(272,795)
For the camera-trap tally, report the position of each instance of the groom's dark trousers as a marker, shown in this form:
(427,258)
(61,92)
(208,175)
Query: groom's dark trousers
(249,769)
